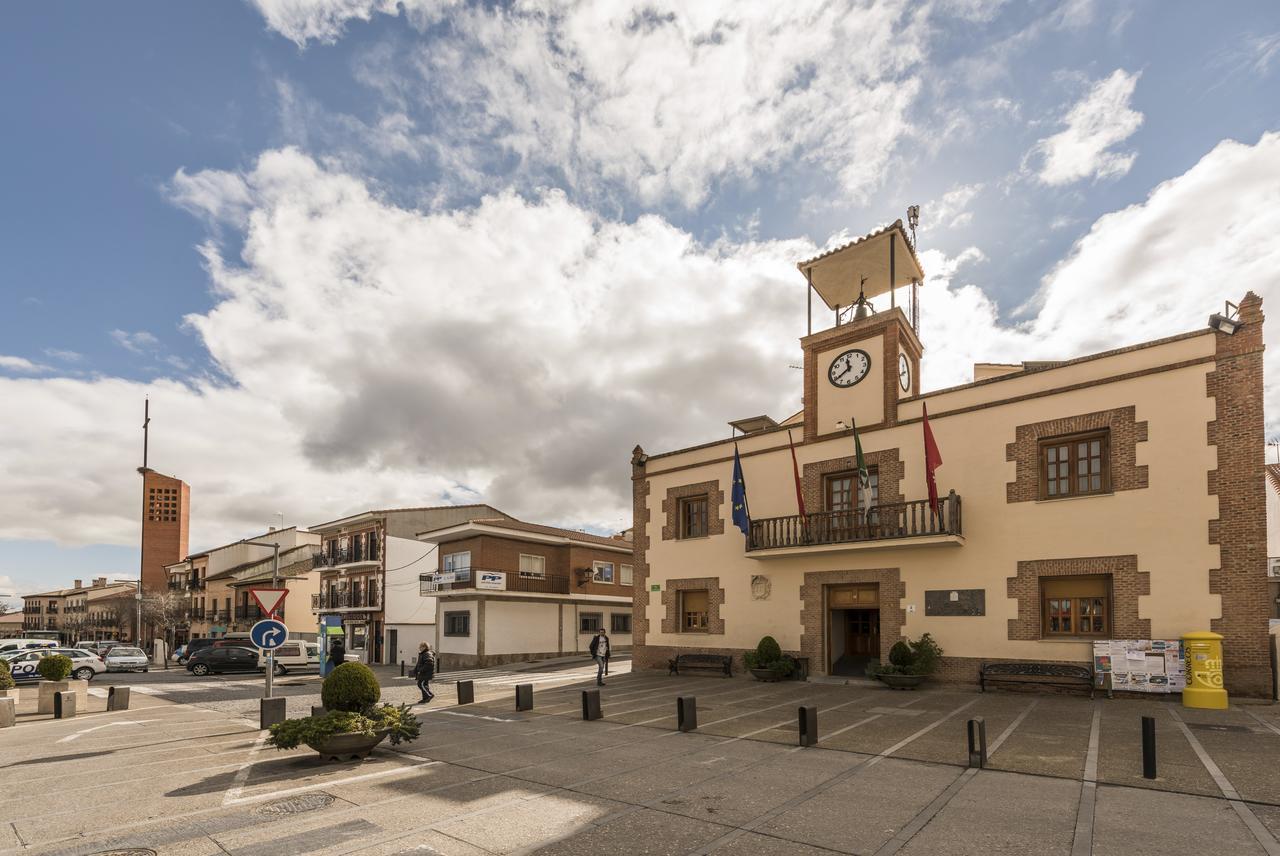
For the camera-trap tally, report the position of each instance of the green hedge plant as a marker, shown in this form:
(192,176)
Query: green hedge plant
(907,657)
(55,667)
(768,655)
(397,721)
(351,687)
(6,677)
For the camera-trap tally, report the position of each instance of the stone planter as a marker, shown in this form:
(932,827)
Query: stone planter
(13,694)
(48,688)
(349,747)
(767,675)
(902,682)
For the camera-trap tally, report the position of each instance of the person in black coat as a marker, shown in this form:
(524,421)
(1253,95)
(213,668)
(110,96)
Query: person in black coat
(337,653)
(424,670)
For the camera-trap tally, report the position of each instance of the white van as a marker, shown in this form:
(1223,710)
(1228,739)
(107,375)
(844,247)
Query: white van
(295,654)
(8,646)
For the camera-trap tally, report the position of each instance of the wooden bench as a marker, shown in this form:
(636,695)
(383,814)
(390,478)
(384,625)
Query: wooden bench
(717,662)
(1046,674)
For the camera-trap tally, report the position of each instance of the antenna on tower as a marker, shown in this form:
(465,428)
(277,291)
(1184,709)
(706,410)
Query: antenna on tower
(146,430)
(913,221)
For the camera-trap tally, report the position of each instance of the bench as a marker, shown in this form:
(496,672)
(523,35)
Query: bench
(717,662)
(1046,674)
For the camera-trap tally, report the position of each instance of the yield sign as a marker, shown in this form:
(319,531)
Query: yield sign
(269,599)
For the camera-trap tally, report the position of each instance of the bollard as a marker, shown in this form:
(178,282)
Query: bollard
(524,696)
(270,711)
(687,713)
(466,692)
(117,698)
(808,725)
(402,668)
(64,704)
(590,705)
(1148,747)
(318,710)
(978,742)
(8,712)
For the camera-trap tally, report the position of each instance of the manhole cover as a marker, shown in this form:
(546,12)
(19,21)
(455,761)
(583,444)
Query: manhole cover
(1209,726)
(130,851)
(294,805)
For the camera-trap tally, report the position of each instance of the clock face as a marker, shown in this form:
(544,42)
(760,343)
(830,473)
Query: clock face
(849,368)
(904,372)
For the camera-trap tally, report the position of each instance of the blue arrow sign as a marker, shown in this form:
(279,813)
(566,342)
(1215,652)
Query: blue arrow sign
(269,634)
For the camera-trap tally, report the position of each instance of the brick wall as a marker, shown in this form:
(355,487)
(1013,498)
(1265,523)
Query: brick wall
(1127,585)
(643,656)
(886,463)
(164,541)
(1125,434)
(1238,432)
(671,600)
(671,507)
(813,613)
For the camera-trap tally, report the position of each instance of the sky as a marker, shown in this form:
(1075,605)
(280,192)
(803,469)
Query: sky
(366,253)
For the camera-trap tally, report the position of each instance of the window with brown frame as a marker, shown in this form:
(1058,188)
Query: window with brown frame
(693,611)
(1075,466)
(1076,606)
(693,516)
(840,493)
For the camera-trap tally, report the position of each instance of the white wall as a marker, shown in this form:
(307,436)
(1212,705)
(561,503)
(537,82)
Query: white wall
(408,637)
(459,644)
(404,604)
(520,628)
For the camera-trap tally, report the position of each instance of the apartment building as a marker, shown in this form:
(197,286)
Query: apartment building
(374,552)
(297,574)
(505,591)
(99,610)
(1113,496)
(212,605)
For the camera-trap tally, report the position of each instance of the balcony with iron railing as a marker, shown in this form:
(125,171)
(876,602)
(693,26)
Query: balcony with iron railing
(350,556)
(482,579)
(899,524)
(334,599)
(195,584)
(249,612)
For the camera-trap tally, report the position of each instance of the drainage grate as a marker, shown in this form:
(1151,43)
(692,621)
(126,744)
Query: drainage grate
(295,805)
(128,851)
(1209,726)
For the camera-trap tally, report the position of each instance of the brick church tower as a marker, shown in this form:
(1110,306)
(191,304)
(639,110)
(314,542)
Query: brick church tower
(166,517)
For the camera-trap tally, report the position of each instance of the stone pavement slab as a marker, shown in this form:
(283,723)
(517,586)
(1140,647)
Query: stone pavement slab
(1134,822)
(642,833)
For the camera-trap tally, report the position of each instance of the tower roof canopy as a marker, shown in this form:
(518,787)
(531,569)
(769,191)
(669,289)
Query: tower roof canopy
(837,274)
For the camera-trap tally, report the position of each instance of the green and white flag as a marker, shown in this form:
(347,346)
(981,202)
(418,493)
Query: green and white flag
(864,475)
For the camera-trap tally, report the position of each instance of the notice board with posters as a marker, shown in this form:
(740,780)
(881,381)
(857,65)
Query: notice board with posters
(1139,665)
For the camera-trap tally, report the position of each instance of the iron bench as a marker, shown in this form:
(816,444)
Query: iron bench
(1046,674)
(717,662)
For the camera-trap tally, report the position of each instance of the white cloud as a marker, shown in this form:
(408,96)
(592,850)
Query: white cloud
(21,365)
(138,343)
(516,351)
(325,21)
(1094,125)
(951,211)
(63,355)
(660,99)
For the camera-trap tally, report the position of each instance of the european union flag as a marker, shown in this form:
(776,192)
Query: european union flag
(741,512)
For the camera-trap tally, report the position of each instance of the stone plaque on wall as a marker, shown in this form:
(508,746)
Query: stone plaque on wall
(956,602)
(761,588)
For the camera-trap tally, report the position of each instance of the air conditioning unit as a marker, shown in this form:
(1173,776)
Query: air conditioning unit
(1273,567)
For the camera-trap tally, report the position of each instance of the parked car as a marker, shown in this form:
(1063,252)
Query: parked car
(296,654)
(121,658)
(85,665)
(8,646)
(216,660)
(98,646)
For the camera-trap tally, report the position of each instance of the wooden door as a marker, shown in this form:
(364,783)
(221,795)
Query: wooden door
(862,633)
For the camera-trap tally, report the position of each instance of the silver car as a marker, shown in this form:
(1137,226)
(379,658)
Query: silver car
(124,659)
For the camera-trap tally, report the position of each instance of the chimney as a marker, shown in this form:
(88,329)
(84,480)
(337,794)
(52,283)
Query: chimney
(100,582)
(79,584)
(271,528)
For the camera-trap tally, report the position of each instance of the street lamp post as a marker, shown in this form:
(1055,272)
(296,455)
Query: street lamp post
(275,583)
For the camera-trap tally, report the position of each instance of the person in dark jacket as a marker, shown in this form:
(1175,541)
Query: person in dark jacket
(600,653)
(424,670)
(337,653)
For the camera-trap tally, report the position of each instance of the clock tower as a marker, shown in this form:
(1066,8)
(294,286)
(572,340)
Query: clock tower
(870,360)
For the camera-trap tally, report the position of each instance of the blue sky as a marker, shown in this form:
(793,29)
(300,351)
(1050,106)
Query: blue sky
(306,230)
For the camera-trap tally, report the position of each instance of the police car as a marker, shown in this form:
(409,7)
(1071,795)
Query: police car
(85,665)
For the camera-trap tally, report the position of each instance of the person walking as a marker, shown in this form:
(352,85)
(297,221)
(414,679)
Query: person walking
(337,653)
(424,670)
(600,653)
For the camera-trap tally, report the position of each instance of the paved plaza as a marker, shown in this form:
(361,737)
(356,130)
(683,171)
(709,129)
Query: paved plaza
(889,775)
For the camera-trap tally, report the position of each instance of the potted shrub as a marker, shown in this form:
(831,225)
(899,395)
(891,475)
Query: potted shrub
(353,723)
(767,662)
(55,670)
(8,688)
(909,663)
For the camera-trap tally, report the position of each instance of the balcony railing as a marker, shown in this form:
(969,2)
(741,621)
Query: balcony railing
(888,522)
(345,557)
(249,613)
(195,584)
(174,585)
(474,578)
(363,599)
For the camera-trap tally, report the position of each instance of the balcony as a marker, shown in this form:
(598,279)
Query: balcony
(474,579)
(902,524)
(338,558)
(332,600)
(195,584)
(249,613)
(174,585)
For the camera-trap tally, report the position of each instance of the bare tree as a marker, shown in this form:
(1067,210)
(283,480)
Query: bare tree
(164,610)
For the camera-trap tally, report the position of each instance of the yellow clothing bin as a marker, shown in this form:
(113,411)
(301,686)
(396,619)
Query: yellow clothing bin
(1203,653)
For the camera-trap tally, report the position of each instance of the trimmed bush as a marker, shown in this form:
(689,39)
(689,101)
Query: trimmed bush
(927,656)
(55,667)
(768,655)
(351,687)
(769,651)
(6,677)
(901,654)
(314,731)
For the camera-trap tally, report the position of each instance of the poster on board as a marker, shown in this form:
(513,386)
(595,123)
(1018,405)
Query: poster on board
(1139,665)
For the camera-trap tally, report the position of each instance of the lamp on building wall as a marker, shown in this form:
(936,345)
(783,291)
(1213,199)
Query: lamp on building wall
(1228,321)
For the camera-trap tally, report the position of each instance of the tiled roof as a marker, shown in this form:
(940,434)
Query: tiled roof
(521,526)
(896,224)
